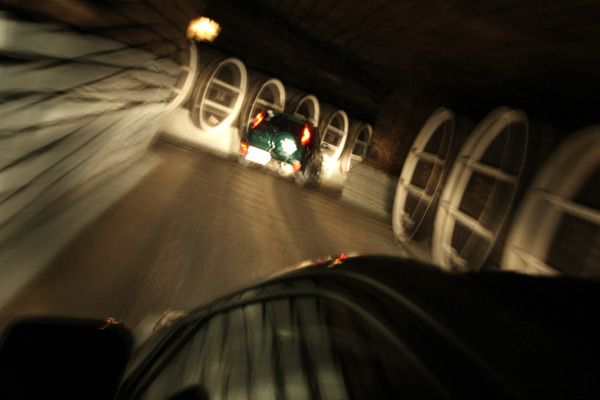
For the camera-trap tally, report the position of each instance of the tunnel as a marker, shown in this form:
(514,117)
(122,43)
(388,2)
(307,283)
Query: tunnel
(423,174)
(77,109)
(119,190)
(334,127)
(220,99)
(185,83)
(481,186)
(360,134)
(547,235)
(208,115)
(307,106)
(263,93)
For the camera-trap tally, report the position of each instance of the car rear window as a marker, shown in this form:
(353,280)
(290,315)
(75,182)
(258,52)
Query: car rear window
(293,125)
(287,124)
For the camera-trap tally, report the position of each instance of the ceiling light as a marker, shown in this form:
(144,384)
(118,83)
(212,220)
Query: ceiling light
(203,29)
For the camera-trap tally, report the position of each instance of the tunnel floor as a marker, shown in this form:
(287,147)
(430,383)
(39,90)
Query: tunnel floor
(195,228)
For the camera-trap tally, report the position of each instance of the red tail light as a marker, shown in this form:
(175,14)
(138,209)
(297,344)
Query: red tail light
(305,136)
(258,119)
(243,148)
(296,165)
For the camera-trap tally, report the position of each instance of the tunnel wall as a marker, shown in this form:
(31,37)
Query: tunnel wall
(76,109)
(480,190)
(189,123)
(401,113)
(370,189)
(304,104)
(335,175)
(553,229)
(423,174)
(371,184)
(263,93)
(359,139)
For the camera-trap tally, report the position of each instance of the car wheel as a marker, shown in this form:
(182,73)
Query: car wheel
(241,159)
(313,174)
(300,177)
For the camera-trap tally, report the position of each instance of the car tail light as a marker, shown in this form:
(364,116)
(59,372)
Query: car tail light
(305,136)
(243,148)
(258,119)
(296,165)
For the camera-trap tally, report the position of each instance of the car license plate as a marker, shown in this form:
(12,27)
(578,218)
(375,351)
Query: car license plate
(258,156)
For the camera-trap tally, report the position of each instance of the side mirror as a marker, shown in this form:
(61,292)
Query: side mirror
(63,358)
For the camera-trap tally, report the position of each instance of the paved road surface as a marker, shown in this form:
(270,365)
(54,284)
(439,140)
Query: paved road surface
(195,228)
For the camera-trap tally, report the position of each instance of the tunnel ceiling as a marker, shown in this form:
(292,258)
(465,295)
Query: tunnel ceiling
(525,54)
(539,55)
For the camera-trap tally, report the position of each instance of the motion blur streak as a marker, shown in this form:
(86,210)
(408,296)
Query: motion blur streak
(197,227)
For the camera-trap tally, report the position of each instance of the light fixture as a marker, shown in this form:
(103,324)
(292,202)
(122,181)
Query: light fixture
(203,29)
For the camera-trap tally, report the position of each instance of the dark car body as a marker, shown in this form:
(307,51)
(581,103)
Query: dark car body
(378,327)
(374,327)
(287,141)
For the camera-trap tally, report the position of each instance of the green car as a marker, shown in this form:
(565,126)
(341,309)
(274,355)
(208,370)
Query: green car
(285,142)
